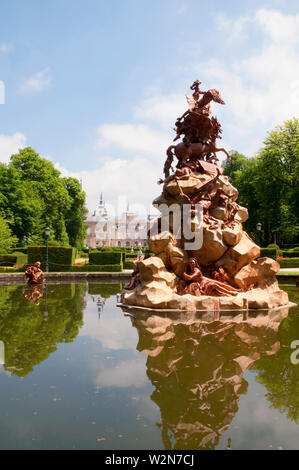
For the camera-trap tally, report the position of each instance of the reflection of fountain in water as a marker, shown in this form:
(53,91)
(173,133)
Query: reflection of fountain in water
(197,369)
(100,301)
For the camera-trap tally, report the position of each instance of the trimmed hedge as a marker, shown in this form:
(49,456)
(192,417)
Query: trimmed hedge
(290,254)
(131,256)
(61,258)
(289,263)
(268,252)
(21,249)
(114,268)
(107,268)
(103,258)
(129,264)
(8,260)
(10,269)
(274,246)
(21,257)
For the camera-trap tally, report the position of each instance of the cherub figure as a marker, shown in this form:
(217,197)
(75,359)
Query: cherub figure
(34,274)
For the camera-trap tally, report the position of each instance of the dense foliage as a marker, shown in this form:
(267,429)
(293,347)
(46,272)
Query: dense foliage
(33,196)
(7,240)
(268,185)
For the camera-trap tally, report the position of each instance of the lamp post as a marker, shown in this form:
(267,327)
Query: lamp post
(259,232)
(47,235)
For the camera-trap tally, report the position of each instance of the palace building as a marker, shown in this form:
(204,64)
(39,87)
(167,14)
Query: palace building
(126,230)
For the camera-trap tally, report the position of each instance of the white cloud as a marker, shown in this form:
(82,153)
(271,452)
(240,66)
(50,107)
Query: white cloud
(38,82)
(126,374)
(280,28)
(162,110)
(11,144)
(121,181)
(262,89)
(114,331)
(5,47)
(131,179)
(133,137)
(234,30)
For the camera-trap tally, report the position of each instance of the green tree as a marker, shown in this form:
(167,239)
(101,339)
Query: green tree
(44,177)
(33,195)
(75,215)
(19,202)
(242,173)
(278,181)
(7,241)
(268,184)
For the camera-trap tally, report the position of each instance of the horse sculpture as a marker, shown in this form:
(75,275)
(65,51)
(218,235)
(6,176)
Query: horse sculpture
(189,153)
(199,131)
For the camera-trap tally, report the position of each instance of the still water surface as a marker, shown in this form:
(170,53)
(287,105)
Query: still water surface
(76,373)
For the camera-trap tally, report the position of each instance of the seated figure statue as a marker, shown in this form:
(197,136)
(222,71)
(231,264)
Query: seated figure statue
(197,284)
(34,274)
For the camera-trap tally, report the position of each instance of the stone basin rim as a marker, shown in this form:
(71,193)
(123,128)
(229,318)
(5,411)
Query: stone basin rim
(165,310)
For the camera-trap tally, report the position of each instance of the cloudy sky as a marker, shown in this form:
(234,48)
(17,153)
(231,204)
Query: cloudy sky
(96,86)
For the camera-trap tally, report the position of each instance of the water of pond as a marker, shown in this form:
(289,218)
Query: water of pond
(76,373)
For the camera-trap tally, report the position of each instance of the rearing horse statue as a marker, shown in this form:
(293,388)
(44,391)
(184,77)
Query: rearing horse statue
(199,131)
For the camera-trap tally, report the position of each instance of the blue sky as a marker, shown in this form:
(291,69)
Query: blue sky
(96,86)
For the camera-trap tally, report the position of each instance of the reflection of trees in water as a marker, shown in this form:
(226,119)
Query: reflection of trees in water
(278,375)
(104,289)
(196,368)
(30,336)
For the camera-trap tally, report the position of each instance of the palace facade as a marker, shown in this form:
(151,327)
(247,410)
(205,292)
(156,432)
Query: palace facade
(125,231)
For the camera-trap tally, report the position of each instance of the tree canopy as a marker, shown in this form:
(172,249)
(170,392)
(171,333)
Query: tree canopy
(7,241)
(33,195)
(268,184)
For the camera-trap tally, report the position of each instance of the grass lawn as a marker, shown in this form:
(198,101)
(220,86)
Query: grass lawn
(287,273)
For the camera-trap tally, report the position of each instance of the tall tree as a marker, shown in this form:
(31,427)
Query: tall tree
(44,177)
(7,240)
(268,184)
(33,195)
(75,215)
(278,181)
(19,202)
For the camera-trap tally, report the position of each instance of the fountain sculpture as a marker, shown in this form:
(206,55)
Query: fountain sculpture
(218,266)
